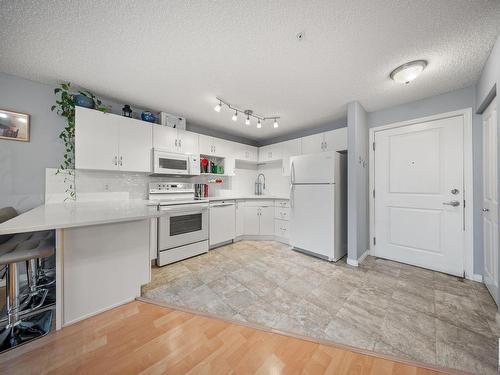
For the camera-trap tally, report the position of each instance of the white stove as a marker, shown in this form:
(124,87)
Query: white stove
(183,230)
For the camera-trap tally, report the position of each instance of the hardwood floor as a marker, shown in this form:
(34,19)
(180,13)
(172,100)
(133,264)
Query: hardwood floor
(145,338)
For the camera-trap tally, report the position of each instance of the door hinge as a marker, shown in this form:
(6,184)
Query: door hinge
(373,193)
(373,145)
(374,241)
(464,203)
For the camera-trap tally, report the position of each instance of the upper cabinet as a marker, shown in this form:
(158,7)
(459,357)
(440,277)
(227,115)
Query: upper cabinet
(336,140)
(270,153)
(110,142)
(175,140)
(208,145)
(333,140)
(247,153)
(288,149)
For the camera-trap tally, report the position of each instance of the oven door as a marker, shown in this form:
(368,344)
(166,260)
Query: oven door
(182,225)
(170,163)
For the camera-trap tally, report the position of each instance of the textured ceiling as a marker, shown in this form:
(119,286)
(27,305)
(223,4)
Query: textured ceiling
(176,56)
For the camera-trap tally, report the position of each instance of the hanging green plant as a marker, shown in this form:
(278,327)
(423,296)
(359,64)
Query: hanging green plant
(65,107)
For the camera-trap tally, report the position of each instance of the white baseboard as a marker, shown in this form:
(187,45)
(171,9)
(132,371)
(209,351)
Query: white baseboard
(357,262)
(476,277)
(352,262)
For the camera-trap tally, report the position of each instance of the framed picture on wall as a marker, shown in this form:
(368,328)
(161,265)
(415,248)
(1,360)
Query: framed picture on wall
(14,126)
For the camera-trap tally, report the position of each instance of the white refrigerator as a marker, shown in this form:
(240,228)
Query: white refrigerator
(318,204)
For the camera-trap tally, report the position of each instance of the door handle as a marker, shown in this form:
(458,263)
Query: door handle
(486,210)
(115,160)
(452,203)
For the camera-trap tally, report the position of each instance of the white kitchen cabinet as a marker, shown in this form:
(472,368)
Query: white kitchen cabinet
(165,138)
(258,218)
(210,145)
(240,218)
(247,153)
(333,140)
(312,144)
(288,149)
(336,140)
(281,230)
(251,220)
(96,140)
(222,222)
(111,142)
(135,138)
(175,140)
(266,224)
(269,153)
(188,142)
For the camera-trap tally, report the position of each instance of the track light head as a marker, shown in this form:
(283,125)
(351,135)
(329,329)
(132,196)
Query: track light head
(218,107)
(259,124)
(275,125)
(235,116)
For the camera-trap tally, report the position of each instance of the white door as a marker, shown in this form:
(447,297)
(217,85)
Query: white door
(419,210)
(336,140)
(266,221)
(188,142)
(490,199)
(165,138)
(313,168)
(313,144)
(96,140)
(135,145)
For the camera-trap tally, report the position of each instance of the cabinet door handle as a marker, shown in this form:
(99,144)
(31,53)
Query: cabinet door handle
(176,143)
(180,142)
(121,160)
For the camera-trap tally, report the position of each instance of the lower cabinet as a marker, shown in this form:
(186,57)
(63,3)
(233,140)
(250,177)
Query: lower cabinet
(266,218)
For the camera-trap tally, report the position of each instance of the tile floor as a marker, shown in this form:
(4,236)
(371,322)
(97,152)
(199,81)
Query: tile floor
(384,306)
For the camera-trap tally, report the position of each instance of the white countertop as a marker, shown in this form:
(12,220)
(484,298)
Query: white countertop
(245,197)
(79,214)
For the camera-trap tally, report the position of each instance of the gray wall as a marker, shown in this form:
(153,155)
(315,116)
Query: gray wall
(451,101)
(22,164)
(486,87)
(357,181)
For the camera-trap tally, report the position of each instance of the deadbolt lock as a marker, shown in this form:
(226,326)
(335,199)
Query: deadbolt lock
(455,191)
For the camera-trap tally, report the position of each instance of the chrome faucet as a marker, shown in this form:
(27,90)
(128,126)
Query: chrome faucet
(259,186)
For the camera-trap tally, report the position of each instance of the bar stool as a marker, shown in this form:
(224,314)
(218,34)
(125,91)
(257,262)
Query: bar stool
(22,248)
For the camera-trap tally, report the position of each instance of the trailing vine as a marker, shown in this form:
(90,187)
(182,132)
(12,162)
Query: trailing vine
(65,107)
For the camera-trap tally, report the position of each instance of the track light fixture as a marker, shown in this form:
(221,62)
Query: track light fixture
(249,113)
(218,107)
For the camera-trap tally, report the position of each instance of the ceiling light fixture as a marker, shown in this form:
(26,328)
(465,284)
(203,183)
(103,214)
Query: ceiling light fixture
(249,113)
(408,72)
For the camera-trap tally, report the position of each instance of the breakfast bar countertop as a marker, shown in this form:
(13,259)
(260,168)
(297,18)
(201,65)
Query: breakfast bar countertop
(79,214)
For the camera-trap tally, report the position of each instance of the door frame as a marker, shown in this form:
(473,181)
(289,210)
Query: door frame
(466,114)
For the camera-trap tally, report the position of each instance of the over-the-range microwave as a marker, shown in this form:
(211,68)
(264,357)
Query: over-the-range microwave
(169,163)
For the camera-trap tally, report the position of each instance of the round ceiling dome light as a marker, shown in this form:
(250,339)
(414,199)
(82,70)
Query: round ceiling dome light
(408,72)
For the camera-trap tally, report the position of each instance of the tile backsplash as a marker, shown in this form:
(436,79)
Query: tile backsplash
(107,185)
